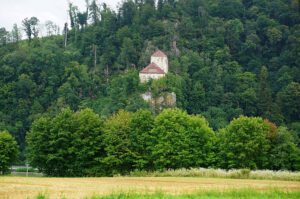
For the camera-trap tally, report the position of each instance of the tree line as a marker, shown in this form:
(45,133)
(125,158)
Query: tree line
(227,58)
(83,143)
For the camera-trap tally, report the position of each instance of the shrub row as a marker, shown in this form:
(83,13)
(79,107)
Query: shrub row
(84,144)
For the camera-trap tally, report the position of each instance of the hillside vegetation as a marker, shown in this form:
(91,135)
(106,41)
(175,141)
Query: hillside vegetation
(227,58)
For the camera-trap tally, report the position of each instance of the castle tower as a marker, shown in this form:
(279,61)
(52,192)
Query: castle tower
(161,60)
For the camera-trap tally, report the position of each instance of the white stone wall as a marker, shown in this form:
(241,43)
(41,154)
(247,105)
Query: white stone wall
(162,62)
(146,77)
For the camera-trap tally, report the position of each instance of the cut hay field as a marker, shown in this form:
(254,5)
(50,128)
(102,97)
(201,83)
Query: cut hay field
(30,187)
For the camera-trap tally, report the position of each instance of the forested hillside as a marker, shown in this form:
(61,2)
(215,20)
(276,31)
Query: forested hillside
(227,58)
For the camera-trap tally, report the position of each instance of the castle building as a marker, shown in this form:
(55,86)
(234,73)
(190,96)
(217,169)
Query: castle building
(157,69)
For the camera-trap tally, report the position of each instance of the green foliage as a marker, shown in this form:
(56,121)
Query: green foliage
(142,139)
(8,151)
(244,144)
(31,27)
(284,153)
(117,143)
(41,196)
(83,144)
(87,144)
(70,144)
(264,93)
(170,84)
(183,141)
(288,100)
(227,58)
(24,169)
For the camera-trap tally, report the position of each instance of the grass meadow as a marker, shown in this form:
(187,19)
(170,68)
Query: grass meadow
(144,187)
(245,194)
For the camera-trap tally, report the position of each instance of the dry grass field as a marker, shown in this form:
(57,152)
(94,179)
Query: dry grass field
(30,187)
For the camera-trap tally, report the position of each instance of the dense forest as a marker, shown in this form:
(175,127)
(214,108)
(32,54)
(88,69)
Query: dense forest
(227,58)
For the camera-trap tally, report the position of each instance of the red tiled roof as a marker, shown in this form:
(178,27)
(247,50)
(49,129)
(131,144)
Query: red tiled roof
(159,54)
(152,69)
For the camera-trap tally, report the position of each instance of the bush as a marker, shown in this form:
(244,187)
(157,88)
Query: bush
(24,169)
(182,140)
(8,151)
(70,144)
(244,144)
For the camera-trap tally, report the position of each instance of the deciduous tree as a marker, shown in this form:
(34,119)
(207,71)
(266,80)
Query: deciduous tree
(244,144)
(8,151)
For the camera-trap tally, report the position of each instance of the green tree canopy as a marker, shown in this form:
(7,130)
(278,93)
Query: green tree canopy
(284,154)
(183,141)
(70,144)
(8,151)
(117,141)
(142,139)
(244,144)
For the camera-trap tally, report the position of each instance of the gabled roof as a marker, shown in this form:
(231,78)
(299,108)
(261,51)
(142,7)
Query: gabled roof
(159,53)
(152,69)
